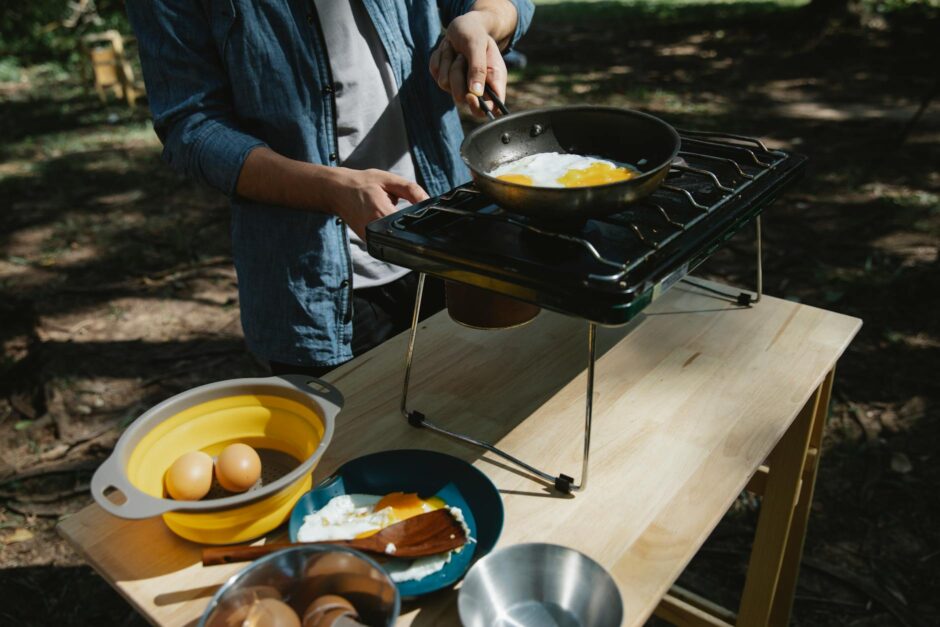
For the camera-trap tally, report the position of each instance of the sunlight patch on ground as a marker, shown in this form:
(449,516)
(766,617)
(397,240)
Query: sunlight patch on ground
(904,196)
(842,113)
(917,340)
(130,135)
(144,319)
(913,249)
(553,85)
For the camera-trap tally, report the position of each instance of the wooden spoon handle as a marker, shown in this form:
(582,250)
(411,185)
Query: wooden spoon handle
(230,554)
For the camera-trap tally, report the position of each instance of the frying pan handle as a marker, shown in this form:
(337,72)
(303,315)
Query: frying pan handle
(499,103)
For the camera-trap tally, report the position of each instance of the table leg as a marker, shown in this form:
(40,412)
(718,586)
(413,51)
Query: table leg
(778,542)
(790,569)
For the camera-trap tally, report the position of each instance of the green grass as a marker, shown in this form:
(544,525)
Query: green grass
(673,12)
(659,12)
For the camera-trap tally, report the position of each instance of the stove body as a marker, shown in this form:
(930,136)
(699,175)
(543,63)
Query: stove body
(605,270)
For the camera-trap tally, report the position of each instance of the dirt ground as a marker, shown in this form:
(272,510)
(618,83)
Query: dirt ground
(117,289)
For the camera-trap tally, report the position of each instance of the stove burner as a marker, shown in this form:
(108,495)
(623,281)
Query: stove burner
(605,269)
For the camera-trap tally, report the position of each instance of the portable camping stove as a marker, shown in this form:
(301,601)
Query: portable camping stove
(605,270)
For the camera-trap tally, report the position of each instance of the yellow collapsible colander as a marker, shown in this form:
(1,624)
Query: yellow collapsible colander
(289,420)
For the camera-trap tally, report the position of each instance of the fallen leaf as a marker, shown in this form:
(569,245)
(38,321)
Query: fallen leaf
(901,464)
(18,535)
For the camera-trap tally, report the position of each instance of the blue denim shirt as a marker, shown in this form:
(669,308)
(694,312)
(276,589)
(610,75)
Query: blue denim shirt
(226,76)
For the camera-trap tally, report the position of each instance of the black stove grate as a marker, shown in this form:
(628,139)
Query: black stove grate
(605,269)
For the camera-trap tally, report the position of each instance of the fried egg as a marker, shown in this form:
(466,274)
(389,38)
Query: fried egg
(556,169)
(351,516)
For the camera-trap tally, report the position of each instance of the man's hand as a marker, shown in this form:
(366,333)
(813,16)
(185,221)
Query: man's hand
(362,196)
(463,71)
(469,54)
(356,196)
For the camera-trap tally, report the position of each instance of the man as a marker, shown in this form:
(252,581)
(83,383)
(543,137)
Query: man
(318,117)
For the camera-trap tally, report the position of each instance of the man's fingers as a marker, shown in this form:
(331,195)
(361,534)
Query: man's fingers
(445,60)
(497,74)
(435,63)
(457,81)
(476,66)
(403,188)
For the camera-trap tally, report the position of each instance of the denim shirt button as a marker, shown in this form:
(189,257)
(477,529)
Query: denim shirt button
(339,221)
(328,89)
(332,156)
(345,283)
(310,18)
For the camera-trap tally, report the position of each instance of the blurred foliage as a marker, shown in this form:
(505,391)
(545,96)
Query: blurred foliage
(41,30)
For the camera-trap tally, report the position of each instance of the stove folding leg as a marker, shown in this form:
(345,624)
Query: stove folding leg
(760,262)
(562,482)
(744,299)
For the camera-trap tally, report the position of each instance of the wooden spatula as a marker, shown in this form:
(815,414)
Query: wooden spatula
(422,535)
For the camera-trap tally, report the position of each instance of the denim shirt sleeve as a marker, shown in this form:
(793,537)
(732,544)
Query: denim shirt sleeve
(524,11)
(188,92)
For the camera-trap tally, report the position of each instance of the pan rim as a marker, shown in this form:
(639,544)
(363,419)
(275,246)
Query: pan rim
(677,146)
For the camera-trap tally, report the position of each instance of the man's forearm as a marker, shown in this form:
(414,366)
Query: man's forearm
(499,19)
(270,178)
(357,196)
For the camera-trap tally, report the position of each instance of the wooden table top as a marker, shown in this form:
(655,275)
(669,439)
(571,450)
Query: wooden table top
(689,400)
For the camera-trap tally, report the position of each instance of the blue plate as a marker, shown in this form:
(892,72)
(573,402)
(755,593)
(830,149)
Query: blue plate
(427,473)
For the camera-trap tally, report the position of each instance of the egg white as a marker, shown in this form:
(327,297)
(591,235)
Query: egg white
(343,518)
(545,168)
(348,515)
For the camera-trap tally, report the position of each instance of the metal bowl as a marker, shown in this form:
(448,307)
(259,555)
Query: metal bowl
(298,576)
(539,585)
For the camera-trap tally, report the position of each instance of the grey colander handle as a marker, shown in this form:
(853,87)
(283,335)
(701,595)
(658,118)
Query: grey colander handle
(327,396)
(138,505)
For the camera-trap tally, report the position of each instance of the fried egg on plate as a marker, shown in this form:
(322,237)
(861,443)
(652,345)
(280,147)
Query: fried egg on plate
(350,516)
(556,169)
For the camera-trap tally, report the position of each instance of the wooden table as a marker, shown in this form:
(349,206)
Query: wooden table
(694,401)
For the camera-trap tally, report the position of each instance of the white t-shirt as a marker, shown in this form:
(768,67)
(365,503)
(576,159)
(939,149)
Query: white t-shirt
(370,125)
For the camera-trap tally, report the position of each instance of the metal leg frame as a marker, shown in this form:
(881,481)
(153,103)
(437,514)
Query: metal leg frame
(743,299)
(562,482)
(760,263)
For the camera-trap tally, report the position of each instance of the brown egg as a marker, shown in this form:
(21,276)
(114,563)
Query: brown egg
(271,613)
(190,476)
(334,618)
(238,467)
(235,609)
(326,610)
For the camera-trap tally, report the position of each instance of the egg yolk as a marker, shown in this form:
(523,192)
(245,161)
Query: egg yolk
(404,506)
(408,505)
(595,174)
(519,179)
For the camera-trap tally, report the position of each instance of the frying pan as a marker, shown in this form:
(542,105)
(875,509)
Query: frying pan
(638,139)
